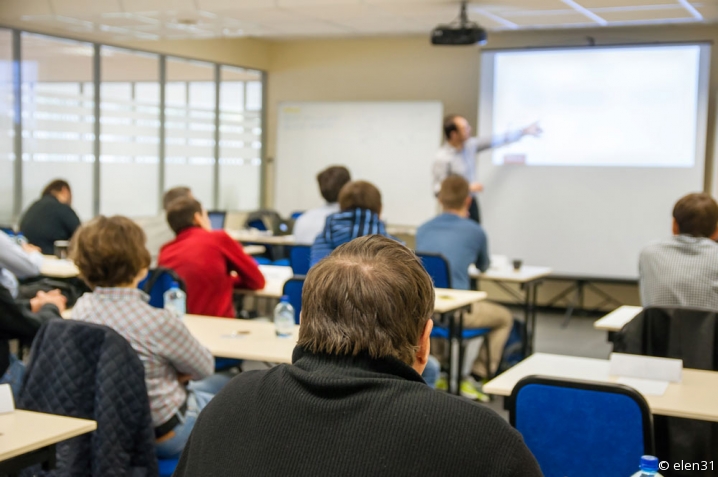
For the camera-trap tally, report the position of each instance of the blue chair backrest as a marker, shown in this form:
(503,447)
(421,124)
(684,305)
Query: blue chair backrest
(580,428)
(437,267)
(293,289)
(157,282)
(299,259)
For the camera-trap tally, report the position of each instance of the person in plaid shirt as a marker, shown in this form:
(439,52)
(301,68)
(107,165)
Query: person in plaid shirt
(111,256)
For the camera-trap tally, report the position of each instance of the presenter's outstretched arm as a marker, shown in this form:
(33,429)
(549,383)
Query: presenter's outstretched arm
(509,137)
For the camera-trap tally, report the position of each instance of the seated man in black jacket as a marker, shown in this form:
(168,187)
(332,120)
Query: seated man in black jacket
(21,321)
(353,402)
(51,218)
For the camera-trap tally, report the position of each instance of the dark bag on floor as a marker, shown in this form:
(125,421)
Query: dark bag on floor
(514,348)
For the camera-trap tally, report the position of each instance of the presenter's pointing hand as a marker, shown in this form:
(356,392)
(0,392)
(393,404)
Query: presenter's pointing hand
(476,187)
(532,130)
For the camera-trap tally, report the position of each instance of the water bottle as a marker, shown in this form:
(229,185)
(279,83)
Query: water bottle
(284,318)
(176,300)
(648,467)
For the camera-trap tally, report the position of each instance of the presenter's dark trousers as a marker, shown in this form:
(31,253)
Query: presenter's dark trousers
(474,213)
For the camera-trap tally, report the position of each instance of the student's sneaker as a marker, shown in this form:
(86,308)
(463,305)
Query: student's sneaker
(469,391)
(442,384)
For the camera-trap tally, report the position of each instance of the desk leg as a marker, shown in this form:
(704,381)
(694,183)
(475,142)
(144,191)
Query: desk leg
(530,306)
(456,350)
(453,356)
(527,320)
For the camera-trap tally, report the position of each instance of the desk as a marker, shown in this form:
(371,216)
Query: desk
(53,267)
(246,236)
(28,438)
(693,398)
(254,249)
(241,339)
(616,320)
(529,278)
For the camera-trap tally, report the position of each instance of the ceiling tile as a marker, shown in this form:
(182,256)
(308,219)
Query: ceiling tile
(623,3)
(646,14)
(548,18)
(138,6)
(85,7)
(11,8)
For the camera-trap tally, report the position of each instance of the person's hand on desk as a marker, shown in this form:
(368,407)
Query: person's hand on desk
(476,187)
(30,248)
(53,297)
(183,378)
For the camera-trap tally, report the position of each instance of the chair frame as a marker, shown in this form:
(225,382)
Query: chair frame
(613,388)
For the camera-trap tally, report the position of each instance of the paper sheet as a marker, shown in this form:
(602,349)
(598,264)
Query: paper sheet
(647,387)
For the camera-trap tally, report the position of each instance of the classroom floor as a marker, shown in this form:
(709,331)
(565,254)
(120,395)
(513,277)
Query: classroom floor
(577,339)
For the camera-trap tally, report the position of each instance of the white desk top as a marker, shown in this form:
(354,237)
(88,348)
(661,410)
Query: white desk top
(693,398)
(25,431)
(241,339)
(446,300)
(53,267)
(260,237)
(525,274)
(615,320)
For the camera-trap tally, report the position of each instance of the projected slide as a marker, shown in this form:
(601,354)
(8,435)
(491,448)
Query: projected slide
(618,107)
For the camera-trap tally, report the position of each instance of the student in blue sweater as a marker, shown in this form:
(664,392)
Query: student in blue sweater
(360,206)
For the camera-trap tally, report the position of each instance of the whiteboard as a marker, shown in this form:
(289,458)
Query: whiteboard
(390,144)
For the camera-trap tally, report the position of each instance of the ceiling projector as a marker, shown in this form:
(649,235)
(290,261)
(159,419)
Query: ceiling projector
(459,32)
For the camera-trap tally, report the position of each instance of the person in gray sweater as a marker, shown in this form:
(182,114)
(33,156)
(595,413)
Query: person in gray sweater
(353,403)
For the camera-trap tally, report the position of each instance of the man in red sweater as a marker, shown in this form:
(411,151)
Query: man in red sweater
(210,262)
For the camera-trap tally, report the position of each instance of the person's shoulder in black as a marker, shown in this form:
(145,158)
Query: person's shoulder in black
(22,320)
(350,417)
(48,220)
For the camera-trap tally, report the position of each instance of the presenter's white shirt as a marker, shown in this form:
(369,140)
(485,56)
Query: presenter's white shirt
(451,161)
(311,223)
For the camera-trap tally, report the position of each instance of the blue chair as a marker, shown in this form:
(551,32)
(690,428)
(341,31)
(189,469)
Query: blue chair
(167,466)
(579,428)
(157,282)
(299,259)
(438,269)
(296,214)
(282,262)
(293,289)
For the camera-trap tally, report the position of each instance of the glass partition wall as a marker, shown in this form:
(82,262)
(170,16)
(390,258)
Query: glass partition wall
(121,126)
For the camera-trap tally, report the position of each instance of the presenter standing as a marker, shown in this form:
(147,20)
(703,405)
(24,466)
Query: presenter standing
(458,154)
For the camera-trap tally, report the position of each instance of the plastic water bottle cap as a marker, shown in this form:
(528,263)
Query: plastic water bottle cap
(284,299)
(174,285)
(649,463)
